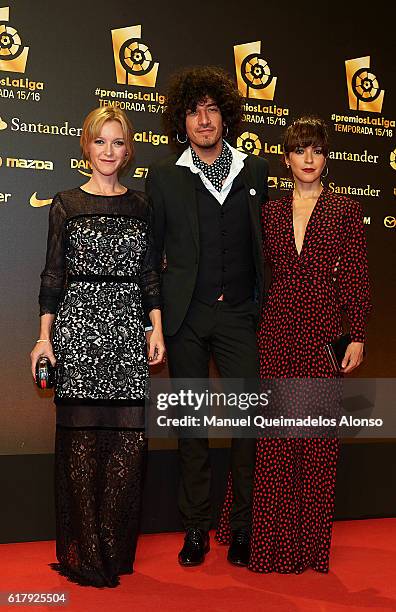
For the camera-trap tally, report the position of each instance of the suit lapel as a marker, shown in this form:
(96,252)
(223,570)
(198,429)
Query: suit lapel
(254,204)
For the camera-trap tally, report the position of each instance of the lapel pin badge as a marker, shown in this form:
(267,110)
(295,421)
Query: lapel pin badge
(252,192)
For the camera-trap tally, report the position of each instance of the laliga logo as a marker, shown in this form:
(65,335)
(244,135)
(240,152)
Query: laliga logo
(364,93)
(13,56)
(249,143)
(393,159)
(133,61)
(254,76)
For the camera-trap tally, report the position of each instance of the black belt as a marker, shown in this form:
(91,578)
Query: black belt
(102,278)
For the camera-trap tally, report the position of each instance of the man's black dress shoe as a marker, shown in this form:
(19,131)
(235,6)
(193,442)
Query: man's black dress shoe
(239,551)
(196,545)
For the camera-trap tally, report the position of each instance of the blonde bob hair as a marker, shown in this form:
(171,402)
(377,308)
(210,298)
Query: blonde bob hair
(93,124)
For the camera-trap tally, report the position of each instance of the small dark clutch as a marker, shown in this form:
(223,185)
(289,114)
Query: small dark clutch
(336,349)
(45,373)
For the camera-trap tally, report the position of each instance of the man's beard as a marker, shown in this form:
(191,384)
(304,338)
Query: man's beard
(208,144)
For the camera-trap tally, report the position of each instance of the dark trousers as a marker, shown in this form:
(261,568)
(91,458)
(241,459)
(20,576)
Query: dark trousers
(228,333)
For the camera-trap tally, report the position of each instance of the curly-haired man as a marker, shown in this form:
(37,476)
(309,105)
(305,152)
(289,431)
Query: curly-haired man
(207,201)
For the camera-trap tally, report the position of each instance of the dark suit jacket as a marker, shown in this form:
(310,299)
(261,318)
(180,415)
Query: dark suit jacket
(176,229)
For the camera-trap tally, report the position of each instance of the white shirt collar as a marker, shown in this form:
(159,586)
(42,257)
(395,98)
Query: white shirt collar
(186,159)
(237,164)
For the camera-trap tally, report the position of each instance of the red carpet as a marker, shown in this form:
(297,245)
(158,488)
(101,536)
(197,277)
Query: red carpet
(362,577)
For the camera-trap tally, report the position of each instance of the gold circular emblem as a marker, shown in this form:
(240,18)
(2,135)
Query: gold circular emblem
(390,222)
(248,142)
(392,158)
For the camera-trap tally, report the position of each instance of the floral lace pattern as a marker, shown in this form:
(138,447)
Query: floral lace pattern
(98,331)
(99,343)
(105,245)
(91,234)
(98,493)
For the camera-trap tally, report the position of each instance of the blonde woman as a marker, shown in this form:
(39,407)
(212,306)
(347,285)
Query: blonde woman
(99,284)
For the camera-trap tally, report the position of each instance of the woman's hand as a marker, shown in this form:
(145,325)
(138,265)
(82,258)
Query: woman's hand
(353,357)
(41,349)
(155,346)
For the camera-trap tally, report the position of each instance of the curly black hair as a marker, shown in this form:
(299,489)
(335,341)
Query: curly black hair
(192,85)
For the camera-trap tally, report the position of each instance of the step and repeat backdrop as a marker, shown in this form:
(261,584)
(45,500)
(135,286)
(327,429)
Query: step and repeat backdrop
(60,60)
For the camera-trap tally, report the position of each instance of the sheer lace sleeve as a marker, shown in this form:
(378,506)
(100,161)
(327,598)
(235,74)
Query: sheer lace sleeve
(53,275)
(150,272)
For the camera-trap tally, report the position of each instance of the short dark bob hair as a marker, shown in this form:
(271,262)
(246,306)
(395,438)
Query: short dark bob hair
(305,132)
(193,85)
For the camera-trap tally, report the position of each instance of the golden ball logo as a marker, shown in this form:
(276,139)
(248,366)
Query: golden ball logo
(136,57)
(253,73)
(390,222)
(10,42)
(364,92)
(133,61)
(249,143)
(13,55)
(393,159)
(365,85)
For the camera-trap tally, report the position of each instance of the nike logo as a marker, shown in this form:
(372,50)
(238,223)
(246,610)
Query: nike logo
(36,203)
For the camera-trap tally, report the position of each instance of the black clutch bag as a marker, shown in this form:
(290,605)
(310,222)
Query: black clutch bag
(335,350)
(45,373)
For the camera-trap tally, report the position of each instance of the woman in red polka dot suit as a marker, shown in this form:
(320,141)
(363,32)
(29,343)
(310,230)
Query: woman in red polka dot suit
(315,245)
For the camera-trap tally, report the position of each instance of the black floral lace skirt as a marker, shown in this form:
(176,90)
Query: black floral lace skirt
(98,484)
(100,347)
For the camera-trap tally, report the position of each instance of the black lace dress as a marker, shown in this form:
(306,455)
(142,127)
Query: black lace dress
(100,280)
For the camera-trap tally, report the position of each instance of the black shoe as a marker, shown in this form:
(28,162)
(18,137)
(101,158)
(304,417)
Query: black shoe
(196,545)
(239,551)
